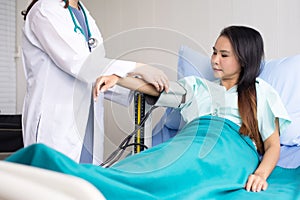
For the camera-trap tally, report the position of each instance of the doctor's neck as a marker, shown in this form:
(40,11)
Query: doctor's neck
(74,3)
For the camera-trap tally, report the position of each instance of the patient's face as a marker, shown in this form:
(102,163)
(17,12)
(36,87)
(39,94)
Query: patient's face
(225,63)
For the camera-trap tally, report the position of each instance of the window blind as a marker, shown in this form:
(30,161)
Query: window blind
(7,57)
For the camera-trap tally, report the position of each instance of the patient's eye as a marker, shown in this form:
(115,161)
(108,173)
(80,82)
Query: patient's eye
(224,55)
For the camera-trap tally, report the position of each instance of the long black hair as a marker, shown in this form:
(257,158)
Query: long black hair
(25,12)
(249,49)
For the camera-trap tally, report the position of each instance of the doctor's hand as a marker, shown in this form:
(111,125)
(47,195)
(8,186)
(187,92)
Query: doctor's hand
(152,75)
(103,83)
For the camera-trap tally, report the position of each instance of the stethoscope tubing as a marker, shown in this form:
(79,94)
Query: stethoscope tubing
(92,42)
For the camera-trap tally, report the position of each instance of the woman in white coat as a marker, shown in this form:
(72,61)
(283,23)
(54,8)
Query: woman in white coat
(63,54)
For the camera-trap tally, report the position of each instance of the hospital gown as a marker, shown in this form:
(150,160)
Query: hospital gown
(210,98)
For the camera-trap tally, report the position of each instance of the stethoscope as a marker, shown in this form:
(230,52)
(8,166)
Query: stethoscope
(92,42)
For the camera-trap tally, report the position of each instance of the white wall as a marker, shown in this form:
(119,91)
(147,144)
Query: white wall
(151,31)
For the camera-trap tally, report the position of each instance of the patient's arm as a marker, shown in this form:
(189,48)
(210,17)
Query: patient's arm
(138,85)
(258,180)
(103,83)
(173,98)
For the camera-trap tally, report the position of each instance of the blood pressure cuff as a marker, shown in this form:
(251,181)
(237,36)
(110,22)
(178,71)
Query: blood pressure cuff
(173,98)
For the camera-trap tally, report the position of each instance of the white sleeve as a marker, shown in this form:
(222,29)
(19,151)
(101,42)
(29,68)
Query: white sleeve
(96,65)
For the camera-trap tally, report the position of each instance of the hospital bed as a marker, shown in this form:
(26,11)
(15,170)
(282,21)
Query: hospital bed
(34,183)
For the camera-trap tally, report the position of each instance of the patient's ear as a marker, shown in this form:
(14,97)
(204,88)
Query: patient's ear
(284,75)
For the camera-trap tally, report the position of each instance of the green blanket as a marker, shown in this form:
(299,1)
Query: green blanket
(208,159)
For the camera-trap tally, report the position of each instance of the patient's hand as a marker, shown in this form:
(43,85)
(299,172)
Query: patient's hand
(256,183)
(103,83)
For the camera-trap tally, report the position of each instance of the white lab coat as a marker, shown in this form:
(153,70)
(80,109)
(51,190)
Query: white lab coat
(60,72)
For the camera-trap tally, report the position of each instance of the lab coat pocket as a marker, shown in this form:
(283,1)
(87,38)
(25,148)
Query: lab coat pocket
(57,127)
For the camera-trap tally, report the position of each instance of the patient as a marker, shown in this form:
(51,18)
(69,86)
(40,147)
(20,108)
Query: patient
(238,96)
(229,146)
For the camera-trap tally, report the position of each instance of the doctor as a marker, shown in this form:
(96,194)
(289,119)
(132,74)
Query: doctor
(63,54)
